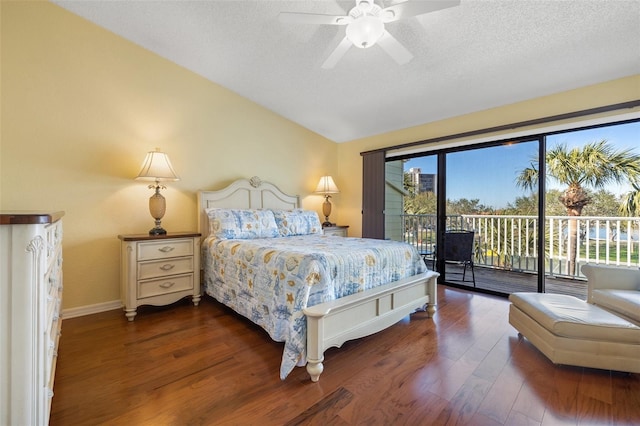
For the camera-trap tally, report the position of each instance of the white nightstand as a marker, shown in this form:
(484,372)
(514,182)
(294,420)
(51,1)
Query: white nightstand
(336,230)
(158,270)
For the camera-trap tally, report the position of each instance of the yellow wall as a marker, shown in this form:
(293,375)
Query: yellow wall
(350,161)
(81,107)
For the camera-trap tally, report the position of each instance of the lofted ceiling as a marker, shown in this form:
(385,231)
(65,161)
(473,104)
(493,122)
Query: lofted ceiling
(478,55)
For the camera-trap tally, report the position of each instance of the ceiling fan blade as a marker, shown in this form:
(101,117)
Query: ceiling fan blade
(394,48)
(313,18)
(337,54)
(408,9)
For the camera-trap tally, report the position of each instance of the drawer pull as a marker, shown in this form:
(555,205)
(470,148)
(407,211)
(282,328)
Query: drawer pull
(167,284)
(167,267)
(166,249)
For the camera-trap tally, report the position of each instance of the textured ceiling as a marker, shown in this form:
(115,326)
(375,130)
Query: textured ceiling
(479,55)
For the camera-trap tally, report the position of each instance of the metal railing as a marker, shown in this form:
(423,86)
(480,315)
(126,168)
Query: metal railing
(511,242)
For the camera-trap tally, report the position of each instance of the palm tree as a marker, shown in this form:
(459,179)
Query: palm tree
(595,165)
(631,201)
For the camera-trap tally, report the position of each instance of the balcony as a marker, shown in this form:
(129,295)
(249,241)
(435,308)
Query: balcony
(506,247)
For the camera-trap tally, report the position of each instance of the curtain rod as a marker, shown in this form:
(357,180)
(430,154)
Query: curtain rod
(543,120)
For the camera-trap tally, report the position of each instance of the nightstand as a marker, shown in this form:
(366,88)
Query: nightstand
(336,230)
(158,270)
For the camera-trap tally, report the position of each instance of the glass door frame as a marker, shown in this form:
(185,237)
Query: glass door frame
(441,217)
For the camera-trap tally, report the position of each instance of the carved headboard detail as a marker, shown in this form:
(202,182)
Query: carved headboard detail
(250,193)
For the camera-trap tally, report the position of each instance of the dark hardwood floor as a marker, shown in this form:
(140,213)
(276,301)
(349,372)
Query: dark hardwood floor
(181,365)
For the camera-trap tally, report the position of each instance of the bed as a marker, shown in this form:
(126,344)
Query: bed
(308,290)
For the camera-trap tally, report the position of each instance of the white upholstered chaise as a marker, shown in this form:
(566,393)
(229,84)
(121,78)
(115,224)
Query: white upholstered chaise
(603,332)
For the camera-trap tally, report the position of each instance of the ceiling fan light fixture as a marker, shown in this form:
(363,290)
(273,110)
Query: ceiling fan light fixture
(365,25)
(365,31)
(364,5)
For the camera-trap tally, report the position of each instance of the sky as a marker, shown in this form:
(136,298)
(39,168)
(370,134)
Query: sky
(494,170)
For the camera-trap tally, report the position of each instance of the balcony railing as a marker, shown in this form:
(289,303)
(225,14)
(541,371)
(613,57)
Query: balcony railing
(511,242)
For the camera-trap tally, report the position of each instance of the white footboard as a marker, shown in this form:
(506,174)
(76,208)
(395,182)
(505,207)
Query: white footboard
(333,323)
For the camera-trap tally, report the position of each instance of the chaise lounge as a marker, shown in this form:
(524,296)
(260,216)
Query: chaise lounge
(603,332)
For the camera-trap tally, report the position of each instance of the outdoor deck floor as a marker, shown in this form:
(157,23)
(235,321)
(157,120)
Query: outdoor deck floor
(510,282)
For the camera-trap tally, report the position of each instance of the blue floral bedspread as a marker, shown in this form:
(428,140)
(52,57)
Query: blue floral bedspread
(271,280)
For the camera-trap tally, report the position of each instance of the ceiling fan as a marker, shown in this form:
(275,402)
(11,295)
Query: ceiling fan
(365,25)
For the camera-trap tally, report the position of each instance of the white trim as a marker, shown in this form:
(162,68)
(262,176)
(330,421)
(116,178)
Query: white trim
(91,309)
(514,135)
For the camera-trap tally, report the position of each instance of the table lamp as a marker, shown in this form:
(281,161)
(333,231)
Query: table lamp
(327,186)
(157,167)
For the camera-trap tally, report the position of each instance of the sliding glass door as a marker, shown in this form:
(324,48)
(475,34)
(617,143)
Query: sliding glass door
(592,203)
(490,238)
(521,215)
(411,202)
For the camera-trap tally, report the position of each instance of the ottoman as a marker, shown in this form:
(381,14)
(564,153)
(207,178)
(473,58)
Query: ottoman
(573,332)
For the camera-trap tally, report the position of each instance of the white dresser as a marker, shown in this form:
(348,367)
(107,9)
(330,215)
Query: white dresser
(30,304)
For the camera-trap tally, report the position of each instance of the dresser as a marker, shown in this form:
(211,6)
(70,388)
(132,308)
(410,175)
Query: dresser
(30,304)
(158,269)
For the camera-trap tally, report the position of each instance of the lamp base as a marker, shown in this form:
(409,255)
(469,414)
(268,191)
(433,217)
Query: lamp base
(158,231)
(328,224)
(157,207)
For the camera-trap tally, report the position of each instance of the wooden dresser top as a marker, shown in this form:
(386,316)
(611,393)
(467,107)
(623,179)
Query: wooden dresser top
(28,217)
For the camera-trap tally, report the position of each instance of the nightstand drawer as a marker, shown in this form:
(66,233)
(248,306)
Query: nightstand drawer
(162,268)
(336,230)
(165,249)
(165,285)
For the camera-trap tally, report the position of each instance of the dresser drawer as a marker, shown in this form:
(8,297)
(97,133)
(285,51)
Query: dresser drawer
(54,238)
(165,249)
(166,285)
(162,268)
(52,279)
(52,309)
(53,338)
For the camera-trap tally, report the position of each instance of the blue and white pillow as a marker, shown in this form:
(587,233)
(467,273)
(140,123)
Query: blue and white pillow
(241,224)
(297,222)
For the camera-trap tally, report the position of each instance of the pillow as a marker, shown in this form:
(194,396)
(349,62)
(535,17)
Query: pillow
(297,222)
(242,224)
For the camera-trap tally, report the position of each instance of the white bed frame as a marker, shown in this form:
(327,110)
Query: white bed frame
(332,323)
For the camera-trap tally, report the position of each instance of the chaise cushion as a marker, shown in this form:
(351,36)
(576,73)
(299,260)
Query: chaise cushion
(626,302)
(570,317)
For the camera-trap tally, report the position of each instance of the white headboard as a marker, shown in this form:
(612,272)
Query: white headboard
(243,194)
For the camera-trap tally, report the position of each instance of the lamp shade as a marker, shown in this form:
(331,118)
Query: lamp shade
(157,167)
(327,186)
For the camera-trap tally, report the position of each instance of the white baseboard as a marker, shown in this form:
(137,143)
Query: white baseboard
(91,309)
